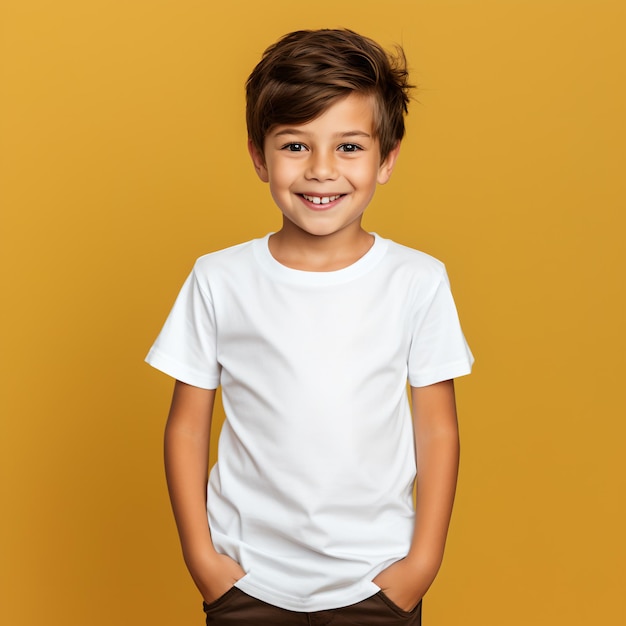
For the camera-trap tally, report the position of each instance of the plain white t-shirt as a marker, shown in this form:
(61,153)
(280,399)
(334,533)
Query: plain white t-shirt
(312,490)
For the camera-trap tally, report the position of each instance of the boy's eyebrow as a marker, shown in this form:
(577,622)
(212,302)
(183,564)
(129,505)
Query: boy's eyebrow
(296,131)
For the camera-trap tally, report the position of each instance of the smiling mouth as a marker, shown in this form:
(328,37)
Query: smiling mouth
(321,199)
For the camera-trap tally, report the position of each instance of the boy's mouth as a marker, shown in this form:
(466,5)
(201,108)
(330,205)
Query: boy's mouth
(321,199)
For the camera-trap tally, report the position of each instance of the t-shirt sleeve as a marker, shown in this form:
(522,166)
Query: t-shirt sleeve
(438,348)
(186,347)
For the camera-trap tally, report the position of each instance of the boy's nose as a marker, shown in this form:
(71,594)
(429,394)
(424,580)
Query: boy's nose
(321,166)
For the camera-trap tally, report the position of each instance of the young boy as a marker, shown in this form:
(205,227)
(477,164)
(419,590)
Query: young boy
(313,332)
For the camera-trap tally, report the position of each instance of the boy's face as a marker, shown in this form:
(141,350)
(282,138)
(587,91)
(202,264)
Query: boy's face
(323,174)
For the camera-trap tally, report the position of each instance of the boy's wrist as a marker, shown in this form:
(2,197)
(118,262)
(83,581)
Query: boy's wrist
(214,574)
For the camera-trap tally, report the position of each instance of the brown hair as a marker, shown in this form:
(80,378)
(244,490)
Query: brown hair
(307,71)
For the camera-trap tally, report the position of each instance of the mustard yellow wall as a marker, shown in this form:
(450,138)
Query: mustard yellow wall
(123,159)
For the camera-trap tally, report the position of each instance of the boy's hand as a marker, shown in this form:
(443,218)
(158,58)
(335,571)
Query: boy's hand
(217,577)
(404,583)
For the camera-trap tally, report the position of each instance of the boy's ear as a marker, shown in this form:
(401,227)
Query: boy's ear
(258,161)
(386,167)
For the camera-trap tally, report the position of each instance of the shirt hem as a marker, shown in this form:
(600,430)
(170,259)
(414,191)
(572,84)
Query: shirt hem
(364,590)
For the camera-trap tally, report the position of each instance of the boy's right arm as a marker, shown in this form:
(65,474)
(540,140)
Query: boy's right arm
(187,436)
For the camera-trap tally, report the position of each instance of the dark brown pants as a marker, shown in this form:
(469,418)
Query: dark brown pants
(236,608)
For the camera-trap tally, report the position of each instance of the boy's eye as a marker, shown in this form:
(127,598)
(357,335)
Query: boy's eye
(349,147)
(295,147)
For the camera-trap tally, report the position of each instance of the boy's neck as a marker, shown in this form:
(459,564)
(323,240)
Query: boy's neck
(300,250)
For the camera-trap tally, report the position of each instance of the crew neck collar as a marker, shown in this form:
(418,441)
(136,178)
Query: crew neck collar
(287,274)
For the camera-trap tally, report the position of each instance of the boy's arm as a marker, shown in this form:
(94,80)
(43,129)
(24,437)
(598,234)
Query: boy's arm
(437,450)
(187,437)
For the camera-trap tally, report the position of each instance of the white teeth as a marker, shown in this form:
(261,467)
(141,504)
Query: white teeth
(320,199)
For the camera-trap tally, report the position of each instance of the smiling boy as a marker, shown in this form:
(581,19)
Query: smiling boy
(312,333)
(322,175)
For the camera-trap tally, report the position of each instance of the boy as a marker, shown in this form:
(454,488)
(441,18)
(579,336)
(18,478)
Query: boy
(312,332)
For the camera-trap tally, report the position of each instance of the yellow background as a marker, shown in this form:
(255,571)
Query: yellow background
(123,159)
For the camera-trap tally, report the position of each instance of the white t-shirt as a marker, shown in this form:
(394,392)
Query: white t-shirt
(312,491)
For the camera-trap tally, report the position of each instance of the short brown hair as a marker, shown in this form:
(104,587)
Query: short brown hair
(307,71)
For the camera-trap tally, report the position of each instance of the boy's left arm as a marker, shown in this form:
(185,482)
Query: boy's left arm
(437,450)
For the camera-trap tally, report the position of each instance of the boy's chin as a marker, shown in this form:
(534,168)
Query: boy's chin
(319,229)
(320,232)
